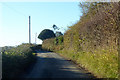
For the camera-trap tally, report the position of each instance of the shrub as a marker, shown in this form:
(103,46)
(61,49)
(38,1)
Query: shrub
(94,41)
(16,60)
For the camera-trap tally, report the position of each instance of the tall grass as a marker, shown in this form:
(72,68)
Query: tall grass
(103,64)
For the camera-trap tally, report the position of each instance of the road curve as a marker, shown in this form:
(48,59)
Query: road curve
(51,65)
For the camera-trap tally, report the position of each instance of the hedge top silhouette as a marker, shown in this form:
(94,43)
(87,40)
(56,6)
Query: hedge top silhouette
(45,34)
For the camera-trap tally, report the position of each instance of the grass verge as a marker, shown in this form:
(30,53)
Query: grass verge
(102,63)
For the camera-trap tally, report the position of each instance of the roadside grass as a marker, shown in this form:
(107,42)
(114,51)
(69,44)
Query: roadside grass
(102,63)
(119,63)
(16,60)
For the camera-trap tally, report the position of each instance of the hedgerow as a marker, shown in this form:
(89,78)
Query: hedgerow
(94,41)
(16,60)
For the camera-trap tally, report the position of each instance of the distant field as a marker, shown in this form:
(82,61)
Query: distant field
(5,48)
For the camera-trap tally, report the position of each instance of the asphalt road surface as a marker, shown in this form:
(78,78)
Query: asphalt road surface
(51,65)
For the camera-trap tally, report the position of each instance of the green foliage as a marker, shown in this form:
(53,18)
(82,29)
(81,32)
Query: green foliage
(16,60)
(2,49)
(102,63)
(93,42)
(53,44)
(45,34)
(58,40)
(58,34)
(48,44)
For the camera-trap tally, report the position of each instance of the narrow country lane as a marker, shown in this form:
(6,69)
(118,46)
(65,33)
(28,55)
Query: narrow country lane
(51,65)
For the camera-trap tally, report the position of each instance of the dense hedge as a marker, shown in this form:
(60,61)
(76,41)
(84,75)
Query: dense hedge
(93,42)
(16,60)
(53,44)
(103,63)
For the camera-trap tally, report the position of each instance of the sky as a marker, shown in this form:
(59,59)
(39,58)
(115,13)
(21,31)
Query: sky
(14,19)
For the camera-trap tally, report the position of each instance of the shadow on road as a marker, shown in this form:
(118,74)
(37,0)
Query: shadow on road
(50,65)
